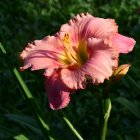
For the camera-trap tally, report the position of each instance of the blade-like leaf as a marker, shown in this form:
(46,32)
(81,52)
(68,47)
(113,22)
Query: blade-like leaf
(133,82)
(129,105)
(32,103)
(6,133)
(2,49)
(20,137)
(75,132)
(25,121)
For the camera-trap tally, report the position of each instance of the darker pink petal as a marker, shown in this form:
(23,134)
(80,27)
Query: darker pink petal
(102,61)
(57,91)
(42,54)
(123,43)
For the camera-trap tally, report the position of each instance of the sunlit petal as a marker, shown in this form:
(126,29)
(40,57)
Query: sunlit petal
(123,43)
(84,26)
(102,61)
(42,54)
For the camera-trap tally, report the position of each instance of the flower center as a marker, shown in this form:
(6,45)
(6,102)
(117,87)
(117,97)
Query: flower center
(75,55)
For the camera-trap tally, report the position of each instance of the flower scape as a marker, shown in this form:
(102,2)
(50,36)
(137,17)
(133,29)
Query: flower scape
(85,47)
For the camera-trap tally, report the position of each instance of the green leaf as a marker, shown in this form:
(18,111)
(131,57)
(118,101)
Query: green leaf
(32,103)
(129,105)
(25,121)
(2,49)
(133,82)
(75,132)
(6,133)
(20,137)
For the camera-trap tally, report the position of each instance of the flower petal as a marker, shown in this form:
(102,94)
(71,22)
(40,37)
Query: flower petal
(84,26)
(102,61)
(57,91)
(123,43)
(42,53)
(73,78)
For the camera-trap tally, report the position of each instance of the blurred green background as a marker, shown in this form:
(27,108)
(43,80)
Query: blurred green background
(22,21)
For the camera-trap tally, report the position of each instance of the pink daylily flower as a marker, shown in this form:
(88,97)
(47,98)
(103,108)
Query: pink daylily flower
(86,46)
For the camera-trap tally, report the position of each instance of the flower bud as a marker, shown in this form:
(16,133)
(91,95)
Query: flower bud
(120,72)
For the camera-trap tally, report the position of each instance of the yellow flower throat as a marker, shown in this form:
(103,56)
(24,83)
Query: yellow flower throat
(75,55)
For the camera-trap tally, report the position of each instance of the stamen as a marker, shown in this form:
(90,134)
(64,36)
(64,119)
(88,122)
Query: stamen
(69,51)
(73,56)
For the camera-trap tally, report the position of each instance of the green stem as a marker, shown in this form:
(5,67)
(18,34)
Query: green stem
(106,104)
